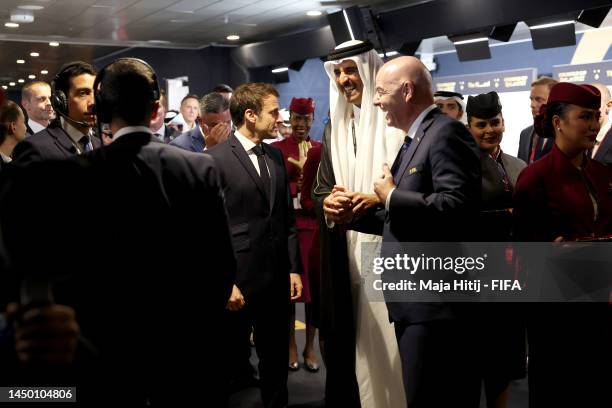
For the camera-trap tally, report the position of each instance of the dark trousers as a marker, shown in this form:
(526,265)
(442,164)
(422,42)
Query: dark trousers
(437,365)
(268,314)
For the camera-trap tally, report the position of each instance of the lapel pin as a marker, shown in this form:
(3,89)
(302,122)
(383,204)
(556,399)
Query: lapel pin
(412,170)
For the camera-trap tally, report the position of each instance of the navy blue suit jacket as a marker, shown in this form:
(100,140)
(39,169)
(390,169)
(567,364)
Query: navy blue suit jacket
(48,144)
(263,229)
(437,199)
(191,140)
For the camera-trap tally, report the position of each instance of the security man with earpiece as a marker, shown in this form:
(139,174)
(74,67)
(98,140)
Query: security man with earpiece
(149,319)
(72,131)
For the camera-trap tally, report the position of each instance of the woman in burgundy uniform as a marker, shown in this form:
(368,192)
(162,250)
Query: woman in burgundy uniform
(566,196)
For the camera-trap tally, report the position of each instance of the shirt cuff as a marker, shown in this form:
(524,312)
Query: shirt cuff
(388,200)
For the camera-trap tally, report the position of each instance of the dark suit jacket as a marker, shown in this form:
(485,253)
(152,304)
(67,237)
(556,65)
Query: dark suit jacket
(436,200)
(107,240)
(263,229)
(604,153)
(191,140)
(544,145)
(48,144)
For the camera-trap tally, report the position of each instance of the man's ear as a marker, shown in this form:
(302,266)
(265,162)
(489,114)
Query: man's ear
(250,116)
(155,111)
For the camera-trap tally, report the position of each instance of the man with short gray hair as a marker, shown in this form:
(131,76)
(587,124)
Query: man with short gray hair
(215,125)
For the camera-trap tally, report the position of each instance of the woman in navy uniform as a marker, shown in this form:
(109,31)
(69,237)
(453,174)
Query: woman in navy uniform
(501,330)
(566,196)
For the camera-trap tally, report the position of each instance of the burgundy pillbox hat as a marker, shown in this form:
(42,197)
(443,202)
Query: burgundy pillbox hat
(583,95)
(302,106)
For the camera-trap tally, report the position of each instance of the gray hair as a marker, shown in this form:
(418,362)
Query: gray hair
(213,102)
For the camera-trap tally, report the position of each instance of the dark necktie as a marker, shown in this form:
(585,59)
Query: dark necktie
(263,169)
(400,156)
(85,144)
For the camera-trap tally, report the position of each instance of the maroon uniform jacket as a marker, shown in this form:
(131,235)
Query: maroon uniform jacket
(552,199)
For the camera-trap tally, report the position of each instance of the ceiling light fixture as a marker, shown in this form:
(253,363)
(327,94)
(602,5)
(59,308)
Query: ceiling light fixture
(20,61)
(11,25)
(279,70)
(34,54)
(54,44)
(233,37)
(21,81)
(473,40)
(44,72)
(32,76)
(313,13)
(11,84)
(551,25)
(4,87)
(30,7)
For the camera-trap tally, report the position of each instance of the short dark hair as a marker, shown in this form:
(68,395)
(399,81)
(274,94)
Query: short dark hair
(223,88)
(249,96)
(190,96)
(213,102)
(9,112)
(128,89)
(61,82)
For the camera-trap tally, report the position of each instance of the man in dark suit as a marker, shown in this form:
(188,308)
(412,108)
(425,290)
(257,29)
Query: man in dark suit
(71,132)
(531,145)
(258,201)
(139,306)
(36,101)
(214,125)
(430,194)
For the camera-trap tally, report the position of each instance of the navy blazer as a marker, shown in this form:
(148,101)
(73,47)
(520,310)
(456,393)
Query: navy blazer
(437,199)
(524,151)
(48,144)
(191,140)
(604,153)
(263,229)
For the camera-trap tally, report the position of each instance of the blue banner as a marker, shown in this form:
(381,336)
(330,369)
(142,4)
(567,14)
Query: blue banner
(516,80)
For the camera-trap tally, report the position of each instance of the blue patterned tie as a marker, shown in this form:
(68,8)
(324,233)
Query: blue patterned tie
(400,156)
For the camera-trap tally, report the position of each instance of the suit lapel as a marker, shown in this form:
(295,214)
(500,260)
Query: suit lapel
(244,159)
(62,140)
(272,166)
(196,140)
(418,137)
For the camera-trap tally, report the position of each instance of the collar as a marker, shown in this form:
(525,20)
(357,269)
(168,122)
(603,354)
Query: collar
(603,131)
(35,126)
(131,129)
(5,158)
(161,131)
(356,113)
(497,155)
(246,143)
(201,133)
(417,122)
(72,132)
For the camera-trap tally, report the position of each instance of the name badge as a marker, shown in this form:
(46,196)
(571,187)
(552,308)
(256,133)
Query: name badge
(412,170)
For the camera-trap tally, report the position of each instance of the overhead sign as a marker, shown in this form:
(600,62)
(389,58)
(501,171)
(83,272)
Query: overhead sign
(595,72)
(517,80)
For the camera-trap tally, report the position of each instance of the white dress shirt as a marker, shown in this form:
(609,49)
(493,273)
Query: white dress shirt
(248,147)
(131,129)
(35,126)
